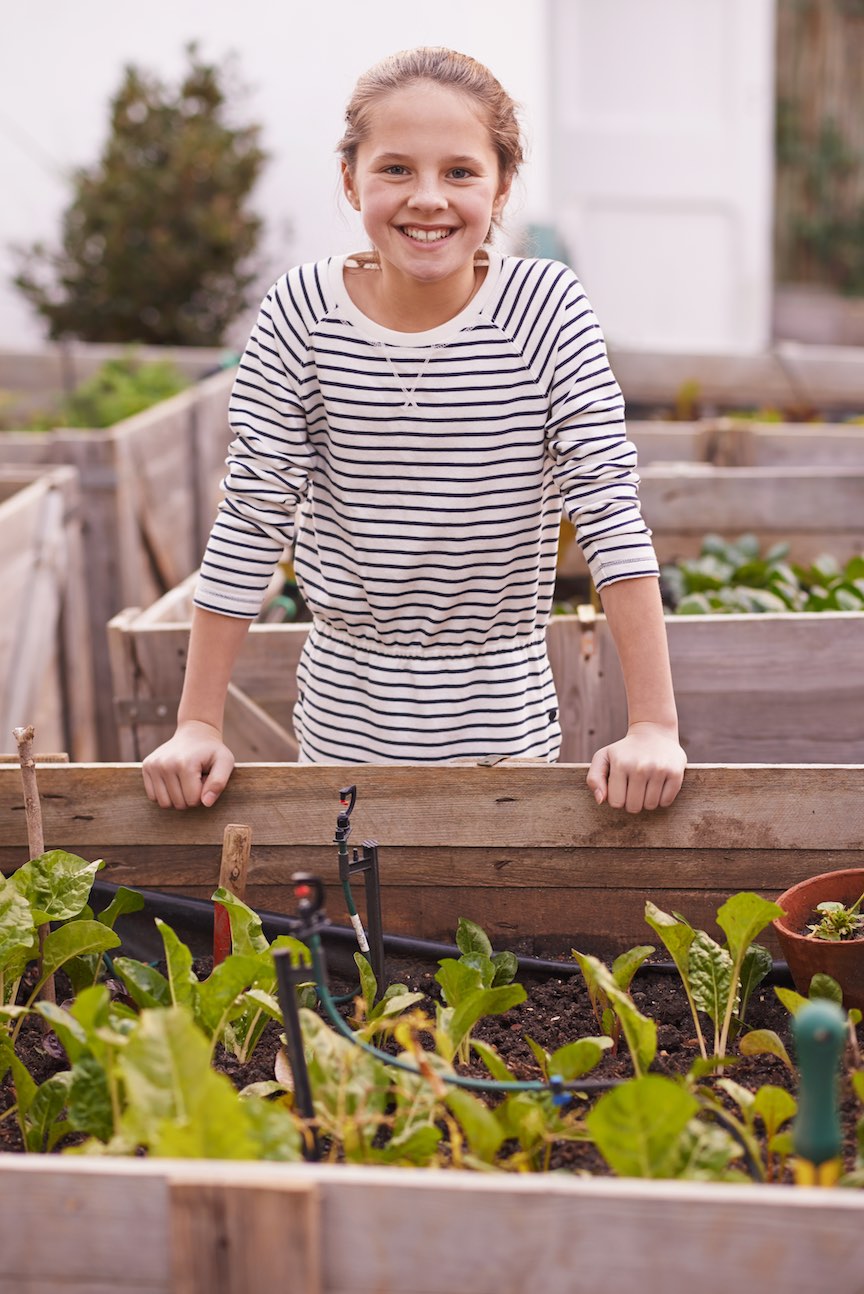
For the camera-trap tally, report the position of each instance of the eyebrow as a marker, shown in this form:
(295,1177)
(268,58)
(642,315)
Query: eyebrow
(461,159)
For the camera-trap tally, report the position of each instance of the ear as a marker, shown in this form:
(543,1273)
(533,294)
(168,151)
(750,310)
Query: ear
(348,187)
(502,197)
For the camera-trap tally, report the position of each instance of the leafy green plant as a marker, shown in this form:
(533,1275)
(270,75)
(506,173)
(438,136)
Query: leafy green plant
(732,577)
(476,984)
(624,968)
(639,1031)
(395,1000)
(718,980)
(120,388)
(838,921)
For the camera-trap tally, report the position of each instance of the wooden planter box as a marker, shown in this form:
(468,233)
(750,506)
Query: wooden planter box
(814,509)
(45,660)
(731,442)
(210,1227)
(521,848)
(149,489)
(771,688)
(527,852)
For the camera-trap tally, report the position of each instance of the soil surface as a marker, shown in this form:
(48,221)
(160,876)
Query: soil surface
(556,1011)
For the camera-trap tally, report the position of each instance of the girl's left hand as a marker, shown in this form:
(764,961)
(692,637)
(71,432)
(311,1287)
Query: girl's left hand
(644,770)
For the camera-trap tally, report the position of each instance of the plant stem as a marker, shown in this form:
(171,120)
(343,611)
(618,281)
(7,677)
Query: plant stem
(35,836)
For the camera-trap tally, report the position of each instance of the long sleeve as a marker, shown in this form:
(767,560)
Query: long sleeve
(594,462)
(268,468)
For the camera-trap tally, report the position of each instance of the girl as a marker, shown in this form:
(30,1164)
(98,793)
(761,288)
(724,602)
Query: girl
(412,420)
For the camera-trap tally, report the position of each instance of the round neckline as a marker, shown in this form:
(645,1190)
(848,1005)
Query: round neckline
(432,336)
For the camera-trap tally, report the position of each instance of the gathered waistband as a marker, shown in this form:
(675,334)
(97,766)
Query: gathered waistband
(372,646)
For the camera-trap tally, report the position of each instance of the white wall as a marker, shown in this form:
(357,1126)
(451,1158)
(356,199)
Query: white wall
(61,61)
(662,134)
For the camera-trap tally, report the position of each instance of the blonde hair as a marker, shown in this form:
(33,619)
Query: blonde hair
(442,66)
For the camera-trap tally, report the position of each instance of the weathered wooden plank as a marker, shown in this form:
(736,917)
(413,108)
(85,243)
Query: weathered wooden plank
(833,445)
(101,1242)
(564,1235)
(233,1237)
(547,806)
(251,733)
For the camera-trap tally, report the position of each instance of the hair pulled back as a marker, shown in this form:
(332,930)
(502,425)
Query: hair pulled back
(441,66)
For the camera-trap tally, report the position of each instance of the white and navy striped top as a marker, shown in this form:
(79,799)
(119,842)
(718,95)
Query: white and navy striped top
(421,479)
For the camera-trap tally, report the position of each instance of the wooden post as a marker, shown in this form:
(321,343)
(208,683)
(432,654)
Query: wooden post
(236,849)
(35,835)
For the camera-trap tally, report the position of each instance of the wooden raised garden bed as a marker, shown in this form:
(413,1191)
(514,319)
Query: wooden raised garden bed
(172,1227)
(524,850)
(149,488)
(45,662)
(770,688)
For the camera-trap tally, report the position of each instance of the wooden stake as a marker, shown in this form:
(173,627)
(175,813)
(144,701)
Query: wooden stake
(35,836)
(236,850)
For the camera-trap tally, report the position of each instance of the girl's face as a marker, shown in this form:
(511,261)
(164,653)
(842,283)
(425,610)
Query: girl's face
(426,182)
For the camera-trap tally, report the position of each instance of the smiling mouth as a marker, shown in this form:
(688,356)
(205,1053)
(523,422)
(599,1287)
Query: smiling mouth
(418,235)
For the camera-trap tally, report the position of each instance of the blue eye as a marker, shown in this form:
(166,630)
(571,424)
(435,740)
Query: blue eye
(460,173)
(395,169)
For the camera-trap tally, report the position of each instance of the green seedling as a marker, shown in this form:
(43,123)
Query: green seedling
(718,980)
(640,1032)
(838,921)
(623,970)
(395,1001)
(477,984)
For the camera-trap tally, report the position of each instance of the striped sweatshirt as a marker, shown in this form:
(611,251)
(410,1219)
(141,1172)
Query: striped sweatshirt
(420,478)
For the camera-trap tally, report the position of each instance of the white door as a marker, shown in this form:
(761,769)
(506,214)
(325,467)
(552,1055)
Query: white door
(662,166)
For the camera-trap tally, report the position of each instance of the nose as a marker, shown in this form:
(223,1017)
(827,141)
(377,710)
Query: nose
(427,194)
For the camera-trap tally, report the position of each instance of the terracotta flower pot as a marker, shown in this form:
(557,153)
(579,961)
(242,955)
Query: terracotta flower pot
(843,960)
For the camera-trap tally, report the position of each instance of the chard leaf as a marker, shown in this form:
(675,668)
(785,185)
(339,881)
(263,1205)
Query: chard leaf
(577,1058)
(122,904)
(639,1031)
(416,1147)
(57,885)
(755,966)
(178,960)
(626,966)
(493,1062)
(72,1035)
(506,966)
(764,1042)
(774,1106)
(144,984)
(247,934)
(368,982)
(480,1003)
(792,1000)
(482,1129)
(638,1126)
(471,938)
(825,986)
(17,928)
(90,1108)
(224,985)
(44,1128)
(457,979)
(73,940)
(710,975)
(677,936)
(742,917)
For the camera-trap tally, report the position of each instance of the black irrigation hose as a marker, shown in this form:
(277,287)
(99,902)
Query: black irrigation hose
(199,913)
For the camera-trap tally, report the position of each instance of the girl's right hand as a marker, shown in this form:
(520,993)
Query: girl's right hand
(191,769)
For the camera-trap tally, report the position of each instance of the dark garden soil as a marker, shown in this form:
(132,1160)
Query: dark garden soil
(556,1011)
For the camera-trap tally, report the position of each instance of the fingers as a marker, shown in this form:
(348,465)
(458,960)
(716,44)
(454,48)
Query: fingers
(598,773)
(217,778)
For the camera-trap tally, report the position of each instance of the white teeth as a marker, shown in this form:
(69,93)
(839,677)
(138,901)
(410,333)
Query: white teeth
(427,235)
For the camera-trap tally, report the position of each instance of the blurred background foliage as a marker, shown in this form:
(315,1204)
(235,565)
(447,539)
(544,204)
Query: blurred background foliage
(158,242)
